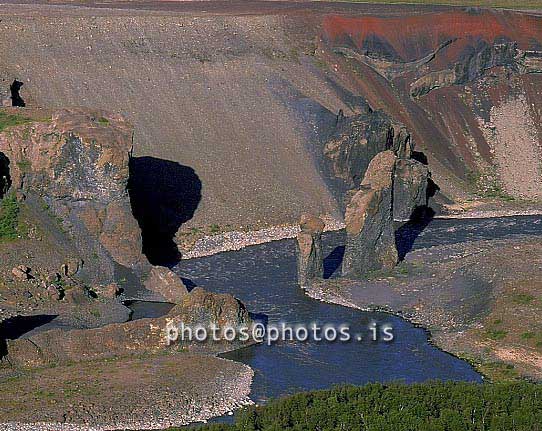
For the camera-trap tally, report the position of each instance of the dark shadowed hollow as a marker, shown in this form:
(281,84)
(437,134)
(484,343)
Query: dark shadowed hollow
(5,178)
(16,99)
(163,195)
(15,327)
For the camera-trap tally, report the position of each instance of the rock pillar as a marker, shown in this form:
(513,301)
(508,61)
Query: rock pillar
(310,259)
(370,243)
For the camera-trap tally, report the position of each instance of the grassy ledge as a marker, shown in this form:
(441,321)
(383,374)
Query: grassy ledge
(12,120)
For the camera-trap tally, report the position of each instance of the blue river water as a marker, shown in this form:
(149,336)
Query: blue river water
(263,277)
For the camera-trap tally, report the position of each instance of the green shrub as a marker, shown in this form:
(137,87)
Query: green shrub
(9,218)
(496,334)
(523,298)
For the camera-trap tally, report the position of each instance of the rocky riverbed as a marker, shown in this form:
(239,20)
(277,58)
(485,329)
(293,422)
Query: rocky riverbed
(236,240)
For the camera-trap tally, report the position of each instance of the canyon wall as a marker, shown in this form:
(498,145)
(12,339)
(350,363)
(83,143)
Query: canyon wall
(250,103)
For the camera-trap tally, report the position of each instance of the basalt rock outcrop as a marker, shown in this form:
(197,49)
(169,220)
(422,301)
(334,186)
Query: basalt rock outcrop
(75,162)
(358,138)
(143,336)
(465,82)
(310,259)
(370,243)
(410,188)
(475,62)
(288,76)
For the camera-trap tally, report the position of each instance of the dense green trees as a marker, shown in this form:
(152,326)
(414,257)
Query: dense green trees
(438,406)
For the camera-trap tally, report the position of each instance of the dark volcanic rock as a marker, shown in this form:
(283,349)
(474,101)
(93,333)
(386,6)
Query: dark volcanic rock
(370,243)
(357,139)
(474,63)
(409,188)
(310,259)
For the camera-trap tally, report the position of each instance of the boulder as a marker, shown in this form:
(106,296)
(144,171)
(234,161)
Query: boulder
(54,292)
(409,188)
(77,295)
(310,259)
(370,243)
(138,337)
(166,283)
(206,308)
(112,290)
(22,272)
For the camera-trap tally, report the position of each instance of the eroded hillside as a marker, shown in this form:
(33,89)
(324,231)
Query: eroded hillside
(239,108)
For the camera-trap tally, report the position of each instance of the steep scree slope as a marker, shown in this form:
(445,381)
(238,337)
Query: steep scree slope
(249,101)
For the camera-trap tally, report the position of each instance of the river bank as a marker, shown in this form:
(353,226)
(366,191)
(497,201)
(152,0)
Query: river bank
(236,239)
(468,296)
(206,244)
(264,278)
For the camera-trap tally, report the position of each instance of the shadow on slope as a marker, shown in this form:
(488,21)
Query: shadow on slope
(333,261)
(16,327)
(406,235)
(164,195)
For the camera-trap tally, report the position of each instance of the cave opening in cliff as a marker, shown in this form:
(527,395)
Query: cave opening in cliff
(5,178)
(164,195)
(15,89)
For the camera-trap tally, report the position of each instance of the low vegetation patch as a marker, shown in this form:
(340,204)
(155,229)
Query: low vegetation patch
(486,185)
(435,406)
(498,371)
(9,218)
(11,120)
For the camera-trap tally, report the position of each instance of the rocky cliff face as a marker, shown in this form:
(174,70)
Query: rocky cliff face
(475,62)
(447,74)
(358,138)
(76,163)
(452,77)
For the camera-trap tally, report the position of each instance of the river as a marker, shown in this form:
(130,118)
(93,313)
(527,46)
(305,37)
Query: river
(263,277)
